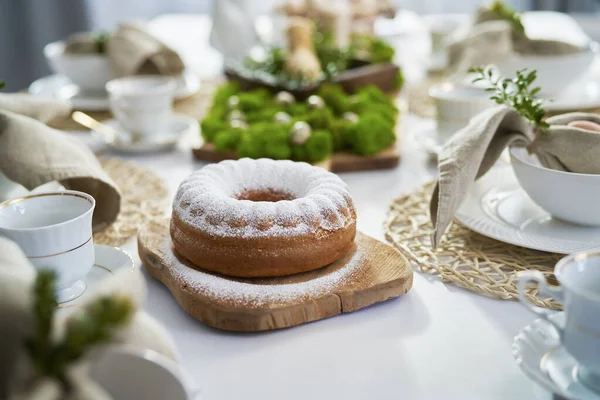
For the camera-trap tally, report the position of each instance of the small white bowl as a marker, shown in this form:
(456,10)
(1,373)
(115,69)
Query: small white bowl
(568,196)
(554,72)
(455,106)
(90,72)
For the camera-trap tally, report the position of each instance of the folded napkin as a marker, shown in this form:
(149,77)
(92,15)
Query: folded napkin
(40,108)
(472,151)
(490,41)
(17,377)
(85,43)
(133,50)
(482,44)
(32,154)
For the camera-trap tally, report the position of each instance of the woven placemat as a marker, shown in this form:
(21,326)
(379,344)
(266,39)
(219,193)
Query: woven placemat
(464,258)
(145,197)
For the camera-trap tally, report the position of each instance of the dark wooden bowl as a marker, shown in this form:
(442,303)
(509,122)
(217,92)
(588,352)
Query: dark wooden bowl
(363,74)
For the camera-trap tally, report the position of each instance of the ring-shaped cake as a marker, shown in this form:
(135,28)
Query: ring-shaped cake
(262,218)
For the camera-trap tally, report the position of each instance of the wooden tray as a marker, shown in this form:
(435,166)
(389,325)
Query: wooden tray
(339,162)
(373,271)
(381,75)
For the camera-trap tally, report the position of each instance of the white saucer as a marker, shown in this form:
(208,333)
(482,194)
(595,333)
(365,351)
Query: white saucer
(60,87)
(180,126)
(537,351)
(108,260)
(498,208)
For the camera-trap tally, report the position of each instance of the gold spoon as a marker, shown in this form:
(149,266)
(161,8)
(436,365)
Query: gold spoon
(109,135)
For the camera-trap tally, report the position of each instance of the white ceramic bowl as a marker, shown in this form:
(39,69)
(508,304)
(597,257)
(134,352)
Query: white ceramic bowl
(455,106)
(90,72)
(554,72)
(568,196)
(126,372)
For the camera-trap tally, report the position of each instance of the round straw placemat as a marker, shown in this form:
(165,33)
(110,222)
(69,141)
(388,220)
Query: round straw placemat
(144,197)
(463,258)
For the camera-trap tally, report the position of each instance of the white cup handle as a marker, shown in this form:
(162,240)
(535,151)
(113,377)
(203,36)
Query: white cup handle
(526,277)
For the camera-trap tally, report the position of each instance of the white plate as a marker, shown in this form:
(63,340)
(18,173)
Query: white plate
(537,351)
(580,95)
(180,126)
(498,208)
(60,87)
(108,260)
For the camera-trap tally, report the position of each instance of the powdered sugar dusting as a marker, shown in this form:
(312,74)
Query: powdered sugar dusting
(256,294)
(207,199)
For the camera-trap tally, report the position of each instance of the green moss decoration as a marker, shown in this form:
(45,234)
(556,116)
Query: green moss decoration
(369,135)
(211,125)
(266,139)
(320,118)
(398,80)
(373,132)
(228,139)
(318,146)
(334,97)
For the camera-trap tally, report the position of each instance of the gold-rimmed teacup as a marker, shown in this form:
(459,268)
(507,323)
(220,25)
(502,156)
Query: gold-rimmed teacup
(579,291)
(54,230)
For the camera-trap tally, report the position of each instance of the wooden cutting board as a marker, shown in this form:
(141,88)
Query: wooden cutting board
(370,273)
(338,162)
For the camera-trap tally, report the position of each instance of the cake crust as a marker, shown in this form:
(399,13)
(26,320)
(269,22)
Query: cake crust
(262,218)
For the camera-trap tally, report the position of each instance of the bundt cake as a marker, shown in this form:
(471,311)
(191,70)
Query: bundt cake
(262,218)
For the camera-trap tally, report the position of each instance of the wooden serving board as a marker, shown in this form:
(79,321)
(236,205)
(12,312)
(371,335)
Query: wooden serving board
(338,162)
(370,273)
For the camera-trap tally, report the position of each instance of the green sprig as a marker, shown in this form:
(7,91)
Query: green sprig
(517,93)
(94,325)
(507,13)
(100,39)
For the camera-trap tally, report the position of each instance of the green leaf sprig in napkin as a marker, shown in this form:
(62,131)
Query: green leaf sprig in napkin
(518,93)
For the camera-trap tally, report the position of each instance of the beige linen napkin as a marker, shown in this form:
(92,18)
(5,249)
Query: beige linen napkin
(40,108)
(32,154)
(491,41)
(133,50)
(483,44)
(16,374)
(472,151)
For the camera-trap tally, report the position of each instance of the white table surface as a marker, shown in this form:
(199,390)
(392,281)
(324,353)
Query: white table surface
(436,342)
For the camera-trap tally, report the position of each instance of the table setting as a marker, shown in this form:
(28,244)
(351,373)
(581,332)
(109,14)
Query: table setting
(296,216)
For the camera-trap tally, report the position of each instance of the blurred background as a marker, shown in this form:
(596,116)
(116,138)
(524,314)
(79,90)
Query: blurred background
(27,25)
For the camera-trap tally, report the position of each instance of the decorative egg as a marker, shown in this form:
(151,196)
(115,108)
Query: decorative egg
(236,114)
(284,98)
(282,117)
(589,125)
(315,101)
(238,123)
(300,132)
(233,102)
(350,116)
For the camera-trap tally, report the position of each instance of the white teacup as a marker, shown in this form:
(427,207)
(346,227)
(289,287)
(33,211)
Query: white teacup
(579,276)
(54,230)
(143,105)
